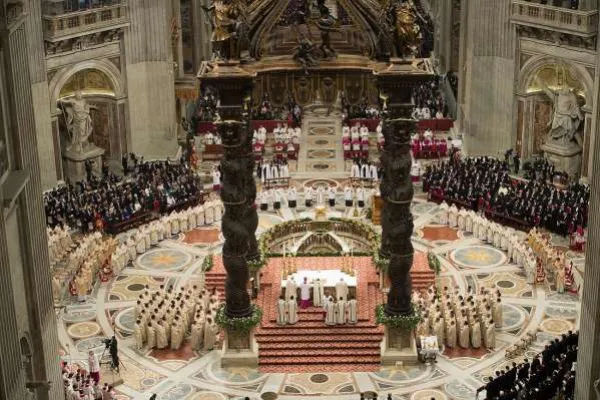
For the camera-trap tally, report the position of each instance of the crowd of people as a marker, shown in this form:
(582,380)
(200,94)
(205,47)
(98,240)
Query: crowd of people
(339,310)
(291,111)
(355,142)
(484,184)
(165,316)
(276,172)
(425,145)
(429,101)
(152,186)
(456,318)
(534,252)
(84,384)
(274,198)
(549,374)
(365,170)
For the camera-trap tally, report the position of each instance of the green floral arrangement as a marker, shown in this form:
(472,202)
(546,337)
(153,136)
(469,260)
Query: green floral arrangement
(404,322)
(243,324)
(434,263)
(208,262)
(381,263)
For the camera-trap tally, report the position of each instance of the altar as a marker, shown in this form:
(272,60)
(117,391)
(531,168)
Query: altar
(329,278)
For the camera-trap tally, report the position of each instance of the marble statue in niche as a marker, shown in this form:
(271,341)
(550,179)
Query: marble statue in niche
(566,117)
(79,122)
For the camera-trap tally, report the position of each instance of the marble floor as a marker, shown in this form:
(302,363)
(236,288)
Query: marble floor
(185,374)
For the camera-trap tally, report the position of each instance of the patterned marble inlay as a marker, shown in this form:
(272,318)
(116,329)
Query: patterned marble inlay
(478,257)
(164,260)
(84,330)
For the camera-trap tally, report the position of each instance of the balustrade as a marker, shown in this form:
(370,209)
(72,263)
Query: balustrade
(582,23)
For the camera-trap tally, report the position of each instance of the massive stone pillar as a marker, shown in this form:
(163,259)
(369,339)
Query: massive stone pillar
(487,74)
(588,356)
(36,268)
(396,219)
(41,96)
(151,79)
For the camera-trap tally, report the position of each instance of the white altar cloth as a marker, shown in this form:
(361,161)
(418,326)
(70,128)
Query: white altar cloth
(330,277)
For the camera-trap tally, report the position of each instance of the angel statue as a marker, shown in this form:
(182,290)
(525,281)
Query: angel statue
(79,122)
(223,29)
(566,116)
(400,19)
(304,55)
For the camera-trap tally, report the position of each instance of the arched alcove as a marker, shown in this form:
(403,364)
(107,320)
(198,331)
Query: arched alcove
(535,109)
(101,84)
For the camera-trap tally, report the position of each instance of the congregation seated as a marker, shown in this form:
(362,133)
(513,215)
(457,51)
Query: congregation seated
(355,141)
(152,186)
(426,146)
(165,316)
(483,184)
(549,375)
(429,101)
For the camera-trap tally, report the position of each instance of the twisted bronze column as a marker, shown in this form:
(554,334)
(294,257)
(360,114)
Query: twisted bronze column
(238,223)
(396,218)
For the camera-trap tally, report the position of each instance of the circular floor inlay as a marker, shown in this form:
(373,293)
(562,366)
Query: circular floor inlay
(478,257)
(556,326)
(83,330)
(321,142)
(78,316)
(321,167)
(319,378)
(505,284)
(164,260)
(322,131)
(136,287)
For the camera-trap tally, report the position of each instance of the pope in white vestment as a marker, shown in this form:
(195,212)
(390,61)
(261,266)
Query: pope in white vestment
(341,290)
(291,289)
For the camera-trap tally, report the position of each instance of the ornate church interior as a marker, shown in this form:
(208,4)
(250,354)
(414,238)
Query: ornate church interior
(291,199)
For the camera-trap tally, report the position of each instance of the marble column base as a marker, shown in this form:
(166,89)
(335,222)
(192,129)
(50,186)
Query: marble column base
(398,346)
(239,349)
(565,157)
(74,163)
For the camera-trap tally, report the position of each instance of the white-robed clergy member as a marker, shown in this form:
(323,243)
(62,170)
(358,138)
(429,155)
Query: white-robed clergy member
(318,293)
(341,289)
(451,335)
(331,192)
(292,197)
(453,216)
(489,336)
(138,328)
(352,311)
(281,311)
(476,335)
(330,311)
(210,334)
(443,214)
(360,197)
(463,337)
(305,294)
(308,197)
(340,315)
(348,196)
(292,310)
(291,288)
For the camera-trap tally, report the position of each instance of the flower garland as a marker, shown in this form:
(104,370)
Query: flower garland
(208,262)
(434,263)
(404,322)
(243,324)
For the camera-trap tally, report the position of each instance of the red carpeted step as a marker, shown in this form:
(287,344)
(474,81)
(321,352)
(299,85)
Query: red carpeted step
(293,360)
(300,331)
(332,354)
(331,345)
(320,368)
(308,341)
